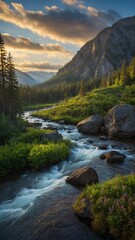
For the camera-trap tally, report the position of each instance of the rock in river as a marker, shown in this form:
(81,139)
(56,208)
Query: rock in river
(83,177)
(52,136)
(120,121)
(113,157)
(90,125)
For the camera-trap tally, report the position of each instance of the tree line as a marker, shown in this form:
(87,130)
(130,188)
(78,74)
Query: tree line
(56,91)
(10,101)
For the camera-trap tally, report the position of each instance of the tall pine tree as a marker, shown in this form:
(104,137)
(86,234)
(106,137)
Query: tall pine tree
(9,87)
(3,76)
(13,101)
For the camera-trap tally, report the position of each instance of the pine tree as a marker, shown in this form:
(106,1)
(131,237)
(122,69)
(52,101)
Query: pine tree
(13,101)
(3,76)
(124,75)
(82,91)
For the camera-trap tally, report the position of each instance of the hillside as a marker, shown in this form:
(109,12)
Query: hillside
(41,76)
(102,55)
(25,79)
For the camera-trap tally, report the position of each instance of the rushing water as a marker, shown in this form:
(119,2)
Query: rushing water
(32,206)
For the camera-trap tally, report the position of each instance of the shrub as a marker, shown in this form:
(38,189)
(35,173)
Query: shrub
(32,135)
(21,156)
(13,157)
(41,155)
(113,206)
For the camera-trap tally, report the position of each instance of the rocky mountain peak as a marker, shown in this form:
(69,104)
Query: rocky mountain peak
(102,55)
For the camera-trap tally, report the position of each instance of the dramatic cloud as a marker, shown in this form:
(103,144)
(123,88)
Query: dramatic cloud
(22,43)
(73,26)
(39,66)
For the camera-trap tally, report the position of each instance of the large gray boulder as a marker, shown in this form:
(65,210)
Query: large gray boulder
(90,125)
(120,121)
(83,177)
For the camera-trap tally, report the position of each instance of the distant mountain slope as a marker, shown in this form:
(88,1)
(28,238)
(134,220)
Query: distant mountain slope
(24,78)
(41,76)
(102,55)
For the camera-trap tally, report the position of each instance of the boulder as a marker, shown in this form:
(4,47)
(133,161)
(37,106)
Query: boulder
(103,147)
(52,136)
(120,121)
(113,157)
(83,177)
(34,124)
(90,125)
(61,122)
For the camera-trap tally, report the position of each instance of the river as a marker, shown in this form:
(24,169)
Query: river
(38,205)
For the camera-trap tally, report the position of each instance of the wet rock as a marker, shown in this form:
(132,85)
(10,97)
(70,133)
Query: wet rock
(52,136)
(84,209)
(83,177)
(120,121)
(34,124)
(104,138)
(103,156)
(61,122)
(113,157)
(103,147)
(90,125)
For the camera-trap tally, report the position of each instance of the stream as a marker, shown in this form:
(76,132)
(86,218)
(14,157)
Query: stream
(38,205)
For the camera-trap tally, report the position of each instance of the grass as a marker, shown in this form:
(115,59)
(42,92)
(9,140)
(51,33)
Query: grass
(37,106)
(112,206)
(98,101)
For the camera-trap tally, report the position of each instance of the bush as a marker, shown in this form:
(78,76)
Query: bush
(41,155)
(32,135)
(113,206)
(21,156)
(13,157)
(9,129)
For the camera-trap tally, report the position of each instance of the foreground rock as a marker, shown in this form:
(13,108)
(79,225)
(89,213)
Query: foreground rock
(52,136)
(113,157)
(120,121)
(90,125)
(83,177)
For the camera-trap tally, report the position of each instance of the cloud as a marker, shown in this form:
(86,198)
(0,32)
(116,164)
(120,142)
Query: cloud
(76,25)
(23,43)
(39,66)
(70,2)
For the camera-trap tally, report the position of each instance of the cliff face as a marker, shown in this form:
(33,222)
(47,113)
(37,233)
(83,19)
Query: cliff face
(103,54)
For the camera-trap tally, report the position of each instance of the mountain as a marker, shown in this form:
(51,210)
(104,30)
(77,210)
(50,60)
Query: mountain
(24,78)
(102,55)
(41,76)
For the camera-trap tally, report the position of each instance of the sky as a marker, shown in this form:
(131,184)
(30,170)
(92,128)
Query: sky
(43,35)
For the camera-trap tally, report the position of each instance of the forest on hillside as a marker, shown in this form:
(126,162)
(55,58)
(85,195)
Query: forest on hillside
(54,92)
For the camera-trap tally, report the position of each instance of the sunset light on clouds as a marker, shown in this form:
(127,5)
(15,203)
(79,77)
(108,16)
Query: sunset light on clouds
(44,35)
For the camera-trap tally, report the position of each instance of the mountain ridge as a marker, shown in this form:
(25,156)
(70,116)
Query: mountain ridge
(101,55)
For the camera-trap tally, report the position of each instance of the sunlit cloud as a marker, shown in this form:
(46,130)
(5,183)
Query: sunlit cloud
(23,43)
(27,65)
(70,2)
(68,26)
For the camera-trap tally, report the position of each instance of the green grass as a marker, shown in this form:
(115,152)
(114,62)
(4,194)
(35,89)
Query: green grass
(21,156)
(98,101)
(32,135)
(37,106)
(113,206)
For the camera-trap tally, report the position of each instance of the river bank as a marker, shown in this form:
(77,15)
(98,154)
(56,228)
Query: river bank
(38,205)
